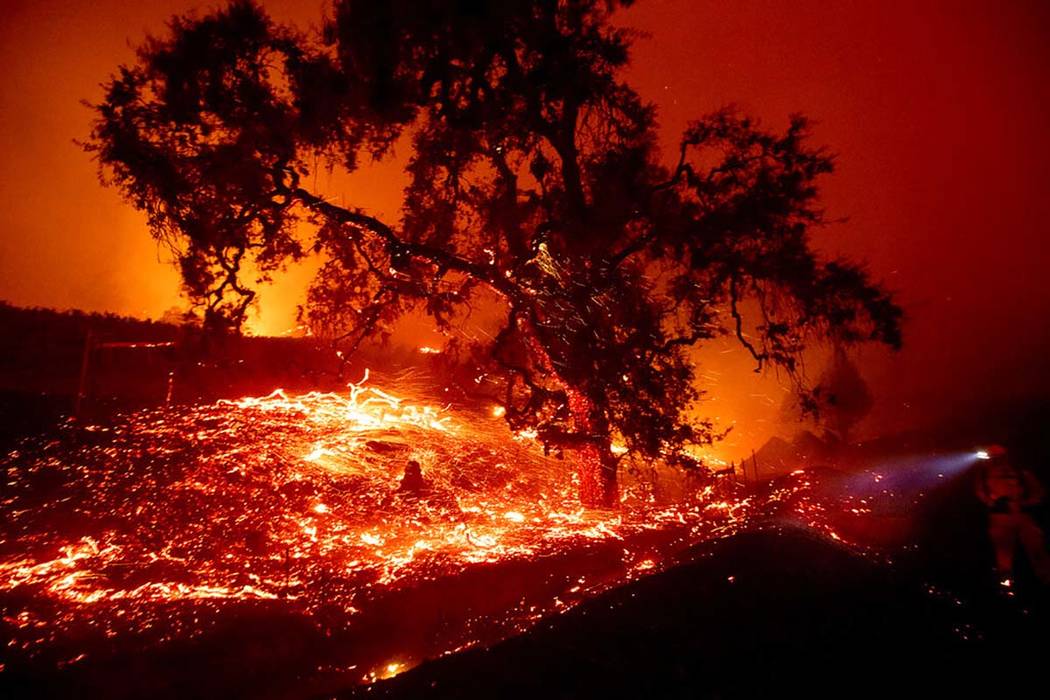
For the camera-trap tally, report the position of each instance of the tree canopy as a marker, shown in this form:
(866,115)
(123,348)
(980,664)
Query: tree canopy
(534,179)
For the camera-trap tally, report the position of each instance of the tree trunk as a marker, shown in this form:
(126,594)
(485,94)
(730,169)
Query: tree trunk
(610,489)
(596,464)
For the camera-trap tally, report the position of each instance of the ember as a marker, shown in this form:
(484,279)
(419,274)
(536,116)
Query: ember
(148,529)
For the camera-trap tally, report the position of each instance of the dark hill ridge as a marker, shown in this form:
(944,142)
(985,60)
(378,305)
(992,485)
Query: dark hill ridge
(773,612)
(42,353)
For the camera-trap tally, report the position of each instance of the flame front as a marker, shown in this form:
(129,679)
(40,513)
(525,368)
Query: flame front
(150,529)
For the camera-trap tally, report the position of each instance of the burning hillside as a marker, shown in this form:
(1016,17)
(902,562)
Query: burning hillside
(161,526)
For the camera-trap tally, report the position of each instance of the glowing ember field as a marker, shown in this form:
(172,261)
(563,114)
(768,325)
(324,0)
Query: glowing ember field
(162,526)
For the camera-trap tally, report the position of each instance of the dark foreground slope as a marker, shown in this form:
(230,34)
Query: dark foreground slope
(773,612)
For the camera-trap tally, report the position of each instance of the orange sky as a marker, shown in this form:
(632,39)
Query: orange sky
(938,111)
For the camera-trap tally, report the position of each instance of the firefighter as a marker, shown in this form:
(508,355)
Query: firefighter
(1010,492)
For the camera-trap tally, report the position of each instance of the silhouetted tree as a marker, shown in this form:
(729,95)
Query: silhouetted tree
(534,181)
(840,399)
(844,395)
(175,316)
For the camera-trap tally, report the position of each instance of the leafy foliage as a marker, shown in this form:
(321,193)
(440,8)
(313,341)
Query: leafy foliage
(534,178)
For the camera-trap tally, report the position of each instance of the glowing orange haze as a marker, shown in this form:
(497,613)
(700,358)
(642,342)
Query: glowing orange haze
(937,111)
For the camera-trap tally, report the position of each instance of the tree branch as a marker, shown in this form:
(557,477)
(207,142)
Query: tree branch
(734,298)
(397,246)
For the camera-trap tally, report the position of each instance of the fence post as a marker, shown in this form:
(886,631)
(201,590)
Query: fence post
(82,383)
